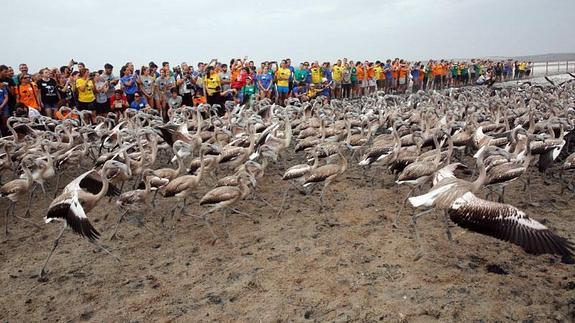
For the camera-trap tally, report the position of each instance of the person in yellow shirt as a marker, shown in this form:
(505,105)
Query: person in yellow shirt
(522,67)
(312,92)
(316,74)
(282,81)
(85,88)
(212,83)
(337,75)
(379,75)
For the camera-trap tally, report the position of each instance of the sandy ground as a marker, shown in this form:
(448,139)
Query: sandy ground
(292,267)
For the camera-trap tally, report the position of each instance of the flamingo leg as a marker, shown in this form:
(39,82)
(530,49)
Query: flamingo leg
(141,222)
(501,195)
(42,276)
(27,214)
(24,219)
(105,250)
(224,224)
(57,184)
(247,215)
(183,207)
(154,198)
(264,200)
(113,236)
(446,221)
(417,237)
(321,199)
(281,208)
(209,226)
(395,223)
(414,224)
(6,218)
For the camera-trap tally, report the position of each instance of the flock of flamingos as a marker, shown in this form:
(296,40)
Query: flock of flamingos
(454,150)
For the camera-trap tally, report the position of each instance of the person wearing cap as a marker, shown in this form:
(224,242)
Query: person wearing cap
(118,102)
(325,89)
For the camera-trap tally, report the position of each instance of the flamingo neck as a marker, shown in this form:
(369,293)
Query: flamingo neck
(476,185)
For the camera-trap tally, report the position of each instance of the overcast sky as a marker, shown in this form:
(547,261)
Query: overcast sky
(49,33)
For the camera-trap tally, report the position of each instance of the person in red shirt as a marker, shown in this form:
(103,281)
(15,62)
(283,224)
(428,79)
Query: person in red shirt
(241,78)
(118,102)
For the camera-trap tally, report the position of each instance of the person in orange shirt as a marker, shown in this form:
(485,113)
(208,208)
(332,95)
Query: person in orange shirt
(65,113)
(421,74)
(370,77)
(360,73)
(395,73)
(437,71)
(27,92)
(444,72)
(403,79)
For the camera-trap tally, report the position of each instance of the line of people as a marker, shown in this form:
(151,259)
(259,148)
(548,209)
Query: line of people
(154,87)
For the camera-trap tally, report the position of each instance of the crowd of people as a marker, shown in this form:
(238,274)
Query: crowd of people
(59,92)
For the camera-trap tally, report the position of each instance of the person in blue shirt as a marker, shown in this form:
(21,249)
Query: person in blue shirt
(326,90)
(388,75)
(415,77)
(4,108)
(264,82)
(129,84)
(139,102)
(291,77)
(327,72)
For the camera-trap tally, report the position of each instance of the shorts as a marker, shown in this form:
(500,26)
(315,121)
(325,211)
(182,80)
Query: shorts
(102,108)
(364,83)
(336,84)
(371,83)
(283,89)
(51,106)
(85,105)
(6,111)
(380,83)
(402,80)
(437,79)
(187,99)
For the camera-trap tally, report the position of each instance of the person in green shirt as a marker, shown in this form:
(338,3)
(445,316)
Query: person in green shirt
(464,69)
(428,76)
(454,72)
(248,92)
(301,73)
(354,85)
